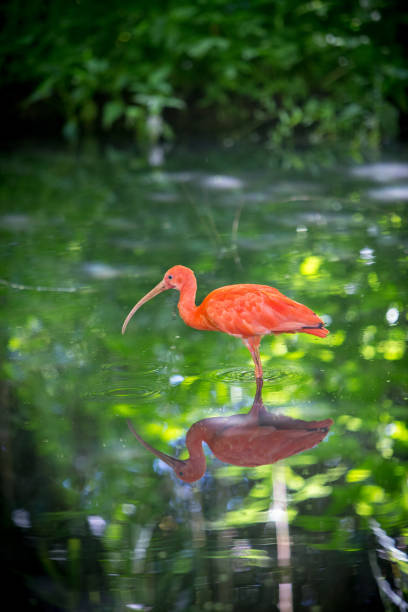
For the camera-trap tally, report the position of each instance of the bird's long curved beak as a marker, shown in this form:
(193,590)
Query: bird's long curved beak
(171,461)
(155,291)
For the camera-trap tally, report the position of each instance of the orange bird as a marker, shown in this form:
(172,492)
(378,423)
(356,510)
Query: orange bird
(248,312)
(255,438)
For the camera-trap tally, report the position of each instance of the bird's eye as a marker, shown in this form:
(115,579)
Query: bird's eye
(169,277)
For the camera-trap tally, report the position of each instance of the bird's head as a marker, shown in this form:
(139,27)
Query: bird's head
(175,278)
(185,470)
(188,470)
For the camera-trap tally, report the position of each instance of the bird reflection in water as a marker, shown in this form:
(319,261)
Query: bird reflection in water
(256,438)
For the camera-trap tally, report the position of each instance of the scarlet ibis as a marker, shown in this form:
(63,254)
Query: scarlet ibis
(246,311)
(256,438)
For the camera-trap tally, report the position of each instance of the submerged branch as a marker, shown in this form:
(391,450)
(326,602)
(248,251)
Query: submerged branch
(388,551)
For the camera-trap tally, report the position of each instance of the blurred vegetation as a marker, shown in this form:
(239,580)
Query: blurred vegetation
(90,519)
(317,71)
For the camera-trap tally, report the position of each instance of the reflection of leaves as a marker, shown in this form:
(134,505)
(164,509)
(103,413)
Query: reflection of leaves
(316,486)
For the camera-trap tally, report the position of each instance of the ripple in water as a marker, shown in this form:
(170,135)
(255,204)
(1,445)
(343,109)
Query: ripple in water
(134,393)
(275,376)
(127,393)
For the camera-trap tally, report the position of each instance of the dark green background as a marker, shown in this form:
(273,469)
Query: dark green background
(282,70)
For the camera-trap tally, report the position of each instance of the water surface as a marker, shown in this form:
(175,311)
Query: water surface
(91,520)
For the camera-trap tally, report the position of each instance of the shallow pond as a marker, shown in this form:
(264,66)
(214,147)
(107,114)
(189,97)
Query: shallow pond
(94,521)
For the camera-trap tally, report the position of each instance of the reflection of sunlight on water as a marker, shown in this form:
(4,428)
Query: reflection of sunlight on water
(368,255)
(97,525)
(382,171)
(393,193)
(176,379)
(392,315)
(16,222)
(21,518)
(350,288)
(102,270)
(219,181)
(385,173)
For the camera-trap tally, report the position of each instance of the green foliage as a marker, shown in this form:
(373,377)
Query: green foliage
(314,69)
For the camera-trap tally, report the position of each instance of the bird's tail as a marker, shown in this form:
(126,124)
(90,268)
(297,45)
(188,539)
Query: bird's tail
(315,330)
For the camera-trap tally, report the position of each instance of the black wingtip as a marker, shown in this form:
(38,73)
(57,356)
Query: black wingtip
(319,326)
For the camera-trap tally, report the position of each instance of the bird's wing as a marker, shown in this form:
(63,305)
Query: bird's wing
(254,310)
(252,446)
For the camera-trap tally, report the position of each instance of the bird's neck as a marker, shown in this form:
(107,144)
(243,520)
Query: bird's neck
(186,303)
(194,440)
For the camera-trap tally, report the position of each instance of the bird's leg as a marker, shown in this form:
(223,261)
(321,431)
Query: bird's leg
(257,405)
(258,394)
(253,346)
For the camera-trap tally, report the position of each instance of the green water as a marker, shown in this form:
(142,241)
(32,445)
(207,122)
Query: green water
(90,519)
